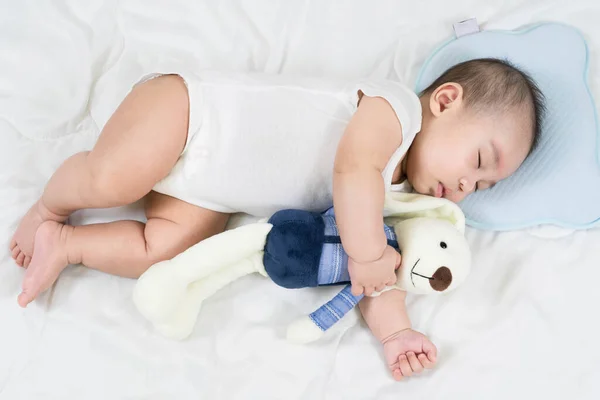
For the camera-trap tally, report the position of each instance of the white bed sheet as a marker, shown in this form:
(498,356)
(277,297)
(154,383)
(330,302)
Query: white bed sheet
(524,326)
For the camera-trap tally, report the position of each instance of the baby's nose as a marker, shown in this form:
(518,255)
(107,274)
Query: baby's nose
(441,279)
(466,185)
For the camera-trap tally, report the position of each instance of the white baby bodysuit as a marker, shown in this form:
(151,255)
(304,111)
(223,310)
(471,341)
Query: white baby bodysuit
(259,143)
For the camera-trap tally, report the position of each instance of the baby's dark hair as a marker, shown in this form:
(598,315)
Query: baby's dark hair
(494,83)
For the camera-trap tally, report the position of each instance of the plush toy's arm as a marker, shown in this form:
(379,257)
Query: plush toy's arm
(335,309)
(312,327)
(385,314)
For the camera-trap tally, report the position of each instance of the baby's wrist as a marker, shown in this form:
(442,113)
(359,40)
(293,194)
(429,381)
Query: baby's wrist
(394,335)
(369,256)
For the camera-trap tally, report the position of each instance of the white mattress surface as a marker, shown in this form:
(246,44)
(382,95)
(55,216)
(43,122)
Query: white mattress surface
(524,326)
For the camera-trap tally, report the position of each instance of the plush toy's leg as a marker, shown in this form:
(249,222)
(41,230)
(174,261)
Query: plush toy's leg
(181,324)
(211,284)
(220,250)
(161,290)
(312,327)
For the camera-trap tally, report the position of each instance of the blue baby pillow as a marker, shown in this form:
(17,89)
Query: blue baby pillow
(559,183)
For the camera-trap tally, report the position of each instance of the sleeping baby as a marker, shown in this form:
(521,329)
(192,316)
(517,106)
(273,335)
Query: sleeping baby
(199,146)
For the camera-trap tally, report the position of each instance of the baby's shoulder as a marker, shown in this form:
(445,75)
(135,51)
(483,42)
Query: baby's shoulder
(388,97)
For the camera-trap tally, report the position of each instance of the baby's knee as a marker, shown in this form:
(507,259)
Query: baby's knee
(173,80)
(98,181)
(170,90)
(107,185)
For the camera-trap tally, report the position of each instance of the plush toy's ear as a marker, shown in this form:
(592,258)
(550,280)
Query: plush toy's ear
(401,206)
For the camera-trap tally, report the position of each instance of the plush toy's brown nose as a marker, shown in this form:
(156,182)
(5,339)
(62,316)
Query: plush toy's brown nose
(441,279)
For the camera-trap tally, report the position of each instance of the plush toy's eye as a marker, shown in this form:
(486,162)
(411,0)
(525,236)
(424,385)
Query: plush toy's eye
(443,245)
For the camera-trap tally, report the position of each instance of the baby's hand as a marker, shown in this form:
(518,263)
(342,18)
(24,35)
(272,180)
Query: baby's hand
(408,352)
(367,277)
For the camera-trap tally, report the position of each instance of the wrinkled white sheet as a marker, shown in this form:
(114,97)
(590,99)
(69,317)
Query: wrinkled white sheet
(525,326)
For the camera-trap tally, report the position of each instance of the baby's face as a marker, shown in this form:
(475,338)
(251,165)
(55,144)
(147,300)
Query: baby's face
(458,151)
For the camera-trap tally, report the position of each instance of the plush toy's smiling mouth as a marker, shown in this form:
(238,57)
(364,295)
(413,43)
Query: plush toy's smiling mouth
(412,273)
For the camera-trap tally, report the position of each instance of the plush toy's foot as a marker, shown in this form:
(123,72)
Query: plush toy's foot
(172,304)
(304,330)
(159,293)
(181,324)
(161,290)
(167,302)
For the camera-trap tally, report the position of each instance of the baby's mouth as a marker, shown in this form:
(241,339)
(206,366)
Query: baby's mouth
(445,191)
(440,191)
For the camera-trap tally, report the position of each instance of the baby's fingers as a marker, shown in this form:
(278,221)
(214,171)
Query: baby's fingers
(368,290)
(431,351)
(404,365)
(425,361)
(397,374)
(357,290)
(391,280)
(414,362)
(398,261)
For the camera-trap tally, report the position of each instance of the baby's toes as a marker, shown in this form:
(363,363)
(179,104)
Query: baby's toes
(26,262)
(15,252)
(25,298)
(20,259)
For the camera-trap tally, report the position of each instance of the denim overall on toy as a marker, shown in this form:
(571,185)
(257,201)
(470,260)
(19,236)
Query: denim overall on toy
(304,249)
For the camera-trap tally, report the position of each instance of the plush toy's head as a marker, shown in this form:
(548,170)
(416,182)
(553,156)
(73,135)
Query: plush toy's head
(435,254)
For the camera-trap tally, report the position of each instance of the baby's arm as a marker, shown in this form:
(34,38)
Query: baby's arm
(385,314)
(406,351)
(371,138)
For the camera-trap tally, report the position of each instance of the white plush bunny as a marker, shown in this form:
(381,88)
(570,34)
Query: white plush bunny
(301,249)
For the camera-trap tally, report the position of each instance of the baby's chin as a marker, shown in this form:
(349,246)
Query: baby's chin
(453,197)
(418,187)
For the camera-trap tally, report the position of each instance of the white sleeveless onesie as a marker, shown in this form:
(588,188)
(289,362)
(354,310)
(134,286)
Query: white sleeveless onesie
(258,143)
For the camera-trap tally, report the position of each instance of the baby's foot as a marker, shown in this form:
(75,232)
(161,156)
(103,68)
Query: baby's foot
(21,245)
(48,261)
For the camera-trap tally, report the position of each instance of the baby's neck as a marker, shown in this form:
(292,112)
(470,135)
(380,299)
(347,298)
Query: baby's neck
(399,175)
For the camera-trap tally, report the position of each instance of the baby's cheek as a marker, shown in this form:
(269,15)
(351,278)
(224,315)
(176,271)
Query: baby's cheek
(417,171)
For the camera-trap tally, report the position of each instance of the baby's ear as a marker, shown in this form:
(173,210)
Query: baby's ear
(446,96)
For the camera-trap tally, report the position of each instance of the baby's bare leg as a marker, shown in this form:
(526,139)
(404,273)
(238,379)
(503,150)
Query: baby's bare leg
(138,147)
(124,248)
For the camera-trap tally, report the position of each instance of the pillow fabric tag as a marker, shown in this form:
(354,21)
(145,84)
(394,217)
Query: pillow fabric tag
(465,27)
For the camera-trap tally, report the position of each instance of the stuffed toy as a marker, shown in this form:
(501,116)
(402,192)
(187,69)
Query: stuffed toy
(299,249)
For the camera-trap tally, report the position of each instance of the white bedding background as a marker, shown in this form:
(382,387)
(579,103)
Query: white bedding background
(524,326)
